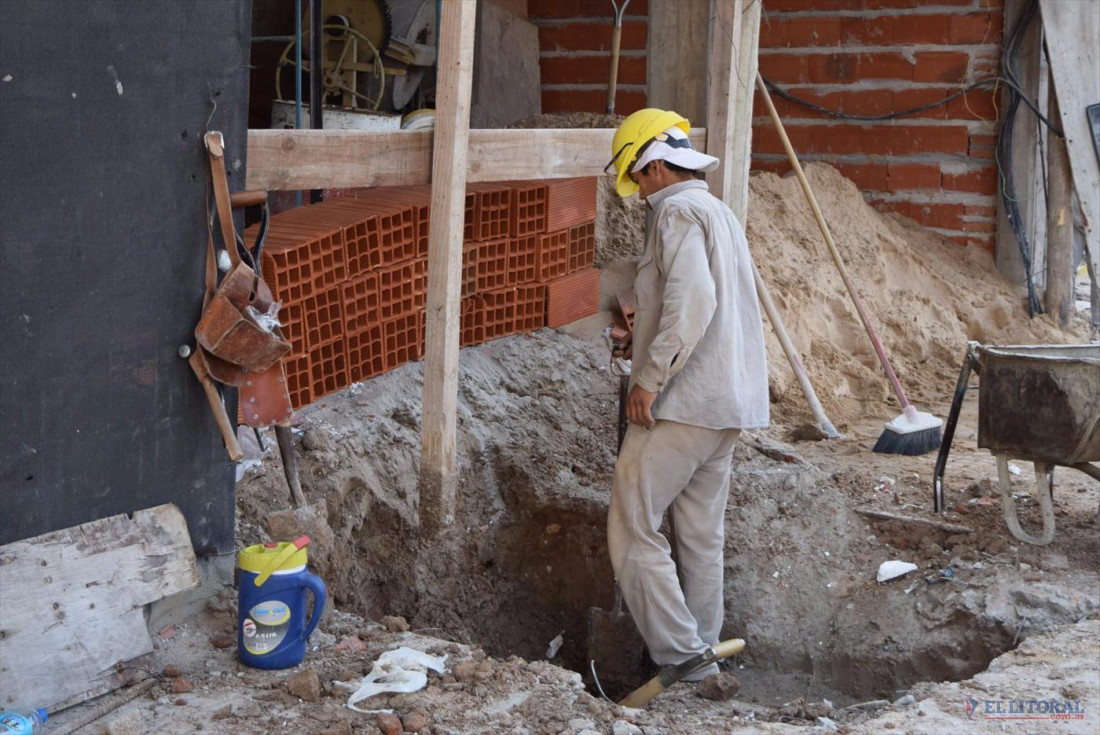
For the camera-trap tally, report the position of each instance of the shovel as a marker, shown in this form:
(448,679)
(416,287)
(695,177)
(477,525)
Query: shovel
(616,40)
(615,647)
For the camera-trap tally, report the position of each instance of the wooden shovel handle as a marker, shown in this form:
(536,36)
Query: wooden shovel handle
(249,198)
(229,434)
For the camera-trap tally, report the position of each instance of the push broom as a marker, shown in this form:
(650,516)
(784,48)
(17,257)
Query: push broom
(913,432)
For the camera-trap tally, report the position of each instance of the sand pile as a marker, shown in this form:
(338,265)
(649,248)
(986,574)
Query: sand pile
(926,296)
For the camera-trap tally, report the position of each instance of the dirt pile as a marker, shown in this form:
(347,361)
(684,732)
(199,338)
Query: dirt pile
(926,296)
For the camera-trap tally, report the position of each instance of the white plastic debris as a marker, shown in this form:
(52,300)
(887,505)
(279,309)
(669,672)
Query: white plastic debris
(826,723)
(399,671)
(555,645)
(893,569)
(1013,469)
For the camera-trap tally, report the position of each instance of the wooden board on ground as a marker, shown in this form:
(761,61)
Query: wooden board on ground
(1071,30)
(72,603)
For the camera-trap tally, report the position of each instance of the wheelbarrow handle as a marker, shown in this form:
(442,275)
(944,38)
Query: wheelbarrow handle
(970,362)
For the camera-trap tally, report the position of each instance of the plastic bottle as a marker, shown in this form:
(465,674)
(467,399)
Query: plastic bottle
(23,723)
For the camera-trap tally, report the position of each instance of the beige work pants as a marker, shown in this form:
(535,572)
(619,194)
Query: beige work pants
(688,468)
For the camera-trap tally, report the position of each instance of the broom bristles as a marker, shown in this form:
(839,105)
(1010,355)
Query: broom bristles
(912,435)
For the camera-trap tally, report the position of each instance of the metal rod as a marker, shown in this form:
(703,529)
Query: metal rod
(316,73)
(297,78)
(272,39)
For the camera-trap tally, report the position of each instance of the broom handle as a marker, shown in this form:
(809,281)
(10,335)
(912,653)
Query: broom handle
(893,378)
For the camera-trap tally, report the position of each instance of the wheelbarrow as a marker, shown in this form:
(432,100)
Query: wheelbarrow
(1036,403)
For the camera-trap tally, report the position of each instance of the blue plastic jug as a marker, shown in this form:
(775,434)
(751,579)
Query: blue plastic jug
(272,628)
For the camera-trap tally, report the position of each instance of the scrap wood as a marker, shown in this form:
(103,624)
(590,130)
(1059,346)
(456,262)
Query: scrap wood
(884,516)
(772,449)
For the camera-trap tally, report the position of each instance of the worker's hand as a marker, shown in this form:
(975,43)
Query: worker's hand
(625,350)
(638,404)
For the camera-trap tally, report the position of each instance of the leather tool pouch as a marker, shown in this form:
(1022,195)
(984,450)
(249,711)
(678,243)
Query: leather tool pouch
(239,340)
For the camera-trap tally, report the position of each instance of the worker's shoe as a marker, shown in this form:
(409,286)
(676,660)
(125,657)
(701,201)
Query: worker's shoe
(701,673)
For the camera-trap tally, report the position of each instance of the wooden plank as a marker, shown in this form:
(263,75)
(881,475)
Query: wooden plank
(72,603)
(308,159)
(722,91)
(1026,161)
(449,159)
(1058,301)
(1071,30)
(677,56)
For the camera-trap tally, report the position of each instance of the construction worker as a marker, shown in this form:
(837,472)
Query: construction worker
(699,377)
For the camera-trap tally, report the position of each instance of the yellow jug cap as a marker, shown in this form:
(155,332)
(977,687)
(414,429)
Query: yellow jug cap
(265,559)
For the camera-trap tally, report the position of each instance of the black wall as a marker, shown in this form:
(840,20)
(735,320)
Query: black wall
(103,105)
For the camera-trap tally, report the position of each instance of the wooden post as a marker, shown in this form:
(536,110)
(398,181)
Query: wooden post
(1059,295)
(452,132)
(741,150)
(677,57)
(722,91)
(1026,161)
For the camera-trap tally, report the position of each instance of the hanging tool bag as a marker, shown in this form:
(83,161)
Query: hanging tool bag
(239,321)
(239,340)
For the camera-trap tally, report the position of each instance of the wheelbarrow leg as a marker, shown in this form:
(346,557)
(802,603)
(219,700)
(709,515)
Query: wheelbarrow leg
(949,427)
(290,464)
(1044,480)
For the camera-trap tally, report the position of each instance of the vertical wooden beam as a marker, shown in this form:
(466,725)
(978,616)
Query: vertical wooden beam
(1060,280)
(449,160)
(677,57)
(741,127)
(1026,162)
(723,85)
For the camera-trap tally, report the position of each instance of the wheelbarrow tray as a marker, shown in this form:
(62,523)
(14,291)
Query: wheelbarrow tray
(1040,402)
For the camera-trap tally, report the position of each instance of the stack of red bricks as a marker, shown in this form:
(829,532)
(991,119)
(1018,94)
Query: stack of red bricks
(352,272)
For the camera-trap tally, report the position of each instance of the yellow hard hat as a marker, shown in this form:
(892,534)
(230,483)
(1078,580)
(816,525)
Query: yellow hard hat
(634,132)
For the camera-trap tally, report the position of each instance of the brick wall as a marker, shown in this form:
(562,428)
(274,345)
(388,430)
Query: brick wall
(874,57)
(575,55)
(860,57)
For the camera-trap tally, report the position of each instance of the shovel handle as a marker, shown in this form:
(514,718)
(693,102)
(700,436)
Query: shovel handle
(249,198)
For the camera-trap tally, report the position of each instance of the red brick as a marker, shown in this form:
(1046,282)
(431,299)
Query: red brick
(297,380)
(914,29)
(904,208)
(885,66)
(528,215)
(773,32)
(500,312)
(776,167)
(941,66)
(896,4)
(785,68)
(570,202)
(759,109)
(907,99)
(591,100)
(865,175)
(834,68)
(976,27)
(591,69)
(814,31)
(944,216)
(869,31)
(986,242)
(530,307)
(907,176)
(552,255)
(560,9)
(593,36)
(328,369)
(573,297)
(981,181)
(366,358)
(977,104)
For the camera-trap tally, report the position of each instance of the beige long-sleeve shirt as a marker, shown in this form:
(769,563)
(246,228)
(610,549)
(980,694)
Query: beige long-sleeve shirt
(698,335)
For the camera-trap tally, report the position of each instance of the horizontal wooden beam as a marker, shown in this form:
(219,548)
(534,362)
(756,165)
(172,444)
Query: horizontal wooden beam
(324,159)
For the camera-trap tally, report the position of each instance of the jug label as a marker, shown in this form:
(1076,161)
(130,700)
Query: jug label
(266,626)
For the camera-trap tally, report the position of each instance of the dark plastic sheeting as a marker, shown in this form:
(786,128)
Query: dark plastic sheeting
(102,197)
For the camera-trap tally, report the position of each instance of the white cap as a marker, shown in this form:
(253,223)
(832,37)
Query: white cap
(673,146)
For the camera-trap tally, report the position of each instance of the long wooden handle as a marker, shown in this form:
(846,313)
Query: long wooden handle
(229,434)
(875,342)
(248,198)
(793,359)
(613,76)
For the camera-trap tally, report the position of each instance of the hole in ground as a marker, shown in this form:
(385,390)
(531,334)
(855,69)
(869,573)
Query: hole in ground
(528,564)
